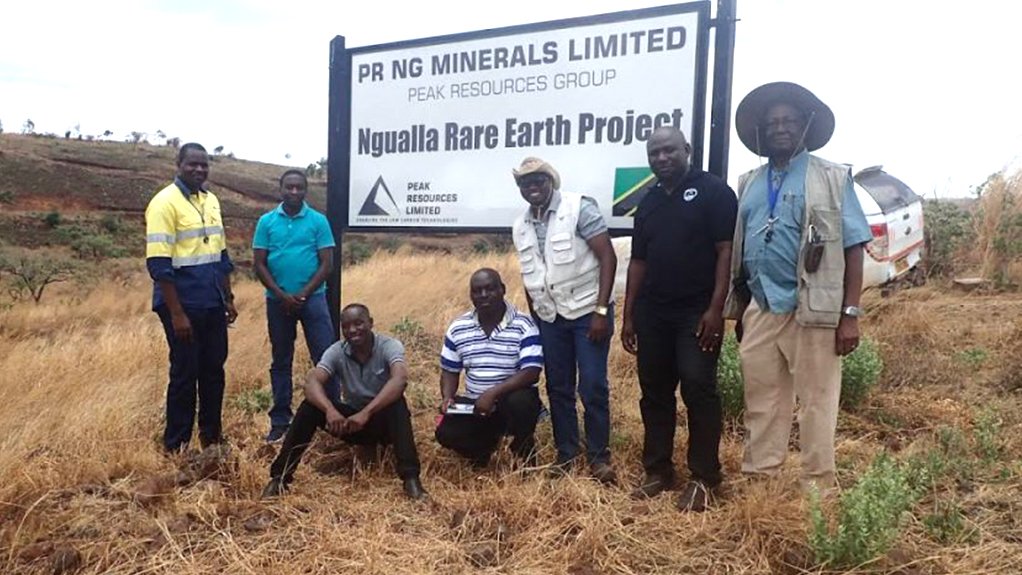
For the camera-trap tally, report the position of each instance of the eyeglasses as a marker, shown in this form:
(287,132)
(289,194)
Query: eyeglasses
(794,123)
(532,180)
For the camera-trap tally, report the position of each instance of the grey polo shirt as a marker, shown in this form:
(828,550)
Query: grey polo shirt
(361,383)
(590,220)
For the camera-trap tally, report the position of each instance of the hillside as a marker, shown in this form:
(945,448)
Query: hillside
(102,188)
(95,183)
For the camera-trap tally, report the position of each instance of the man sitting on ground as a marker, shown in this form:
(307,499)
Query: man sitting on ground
(371,411)
(498,347)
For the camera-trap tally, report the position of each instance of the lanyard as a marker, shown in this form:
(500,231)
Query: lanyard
(774,192)
(202,216)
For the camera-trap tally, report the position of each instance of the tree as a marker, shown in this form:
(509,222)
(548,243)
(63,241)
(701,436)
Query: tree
(218,150)
(174,142)
(137,137)
(28,127)
(33,273)
(107,133)
(1,127)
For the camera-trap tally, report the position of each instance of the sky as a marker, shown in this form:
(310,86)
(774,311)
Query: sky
(924,88)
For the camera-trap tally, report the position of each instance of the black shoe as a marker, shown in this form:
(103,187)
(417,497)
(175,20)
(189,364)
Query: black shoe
(413,488)
(694,497)
(276,434)
(275,488)
(652,485)
(604,473)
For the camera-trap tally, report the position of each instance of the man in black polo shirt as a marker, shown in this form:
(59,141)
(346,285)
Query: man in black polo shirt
(673,315)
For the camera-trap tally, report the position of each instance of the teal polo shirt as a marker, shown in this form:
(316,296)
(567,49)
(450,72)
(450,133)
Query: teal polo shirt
(772,266)
(292,244)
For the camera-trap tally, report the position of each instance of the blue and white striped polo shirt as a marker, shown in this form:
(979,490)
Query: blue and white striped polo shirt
(488,361)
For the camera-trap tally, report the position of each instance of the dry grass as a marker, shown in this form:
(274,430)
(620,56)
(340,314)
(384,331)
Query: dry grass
(81,402)
(999,229)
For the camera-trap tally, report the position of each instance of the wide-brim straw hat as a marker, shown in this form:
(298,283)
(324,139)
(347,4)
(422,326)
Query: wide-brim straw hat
(750,113)
(536,165)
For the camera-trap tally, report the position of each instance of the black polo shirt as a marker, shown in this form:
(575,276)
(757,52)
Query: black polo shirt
(676,234)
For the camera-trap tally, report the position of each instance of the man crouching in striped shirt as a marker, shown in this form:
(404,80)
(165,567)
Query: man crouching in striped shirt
(499,349)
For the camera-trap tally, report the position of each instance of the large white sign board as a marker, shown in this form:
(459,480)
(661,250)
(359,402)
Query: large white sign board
(436,126)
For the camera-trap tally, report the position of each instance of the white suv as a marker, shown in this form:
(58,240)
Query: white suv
(895,216)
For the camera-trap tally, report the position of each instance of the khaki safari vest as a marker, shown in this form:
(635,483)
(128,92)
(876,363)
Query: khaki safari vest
(563,279)
(820,293)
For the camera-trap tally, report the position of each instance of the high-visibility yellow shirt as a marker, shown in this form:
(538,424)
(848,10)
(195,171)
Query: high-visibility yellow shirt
(185,244)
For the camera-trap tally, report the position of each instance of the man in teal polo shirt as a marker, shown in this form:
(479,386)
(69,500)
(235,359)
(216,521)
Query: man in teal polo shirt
(293,253)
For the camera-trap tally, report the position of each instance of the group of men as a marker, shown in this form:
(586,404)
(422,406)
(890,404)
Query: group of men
(782,257)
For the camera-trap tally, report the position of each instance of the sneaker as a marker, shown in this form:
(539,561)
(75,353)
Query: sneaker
(604,473)
(652,485)
(276,434)
(694,497)
(275,488)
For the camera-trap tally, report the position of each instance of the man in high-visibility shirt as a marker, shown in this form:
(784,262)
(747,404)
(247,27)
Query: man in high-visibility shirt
(186,255)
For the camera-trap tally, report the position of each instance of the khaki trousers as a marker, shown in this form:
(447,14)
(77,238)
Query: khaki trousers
(781,360)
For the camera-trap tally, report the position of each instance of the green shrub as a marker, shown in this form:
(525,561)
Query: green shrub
(948,230)
(254,400)
(730,384)
(358,251)
(53,219)
(111,223)
(973,357)
(947,525)
(96,247)
(481,247)
(869,516)
(859,373)
(986,434)
(407,327)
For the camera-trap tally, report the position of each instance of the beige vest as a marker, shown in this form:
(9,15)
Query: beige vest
(565,279)
(821,293)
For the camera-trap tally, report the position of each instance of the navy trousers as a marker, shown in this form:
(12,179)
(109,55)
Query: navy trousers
(196,373)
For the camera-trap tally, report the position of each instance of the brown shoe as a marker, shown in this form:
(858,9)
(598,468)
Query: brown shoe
(603,473)
(694,497)
(651,486)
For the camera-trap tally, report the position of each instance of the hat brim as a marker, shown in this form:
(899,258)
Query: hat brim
(752,108)
(538,167)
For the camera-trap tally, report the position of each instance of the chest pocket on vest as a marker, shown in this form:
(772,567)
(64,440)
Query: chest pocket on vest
(824,220)
(562,247)
(526,255)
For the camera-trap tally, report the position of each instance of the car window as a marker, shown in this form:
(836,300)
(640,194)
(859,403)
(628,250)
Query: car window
(889,192)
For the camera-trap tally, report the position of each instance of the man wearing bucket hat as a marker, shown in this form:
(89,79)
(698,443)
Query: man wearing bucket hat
(568,266)
(796,280)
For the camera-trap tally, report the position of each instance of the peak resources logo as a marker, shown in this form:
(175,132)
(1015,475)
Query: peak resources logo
(372,207)
(419,202)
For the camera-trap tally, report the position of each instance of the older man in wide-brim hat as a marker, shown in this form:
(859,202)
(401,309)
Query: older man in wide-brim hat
(796,279)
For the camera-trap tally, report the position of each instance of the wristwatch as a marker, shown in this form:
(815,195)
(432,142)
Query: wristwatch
(852,311)
(601,310)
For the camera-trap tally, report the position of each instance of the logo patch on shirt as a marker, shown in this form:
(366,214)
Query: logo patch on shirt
(690,194)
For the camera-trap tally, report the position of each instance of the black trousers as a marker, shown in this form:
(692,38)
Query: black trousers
(391,425)
(196,372)
(477,437)
(669,354)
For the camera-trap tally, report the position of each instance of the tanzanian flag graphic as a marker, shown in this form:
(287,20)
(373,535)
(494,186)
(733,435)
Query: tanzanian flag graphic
(630,186)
